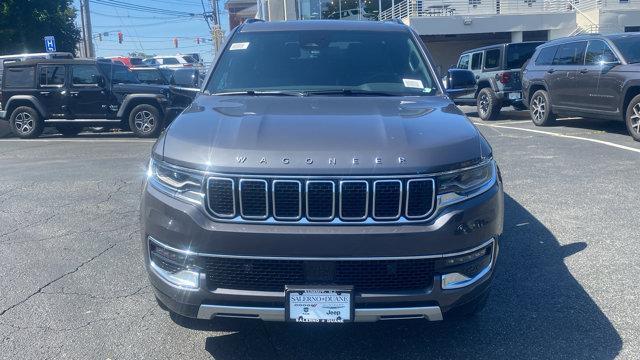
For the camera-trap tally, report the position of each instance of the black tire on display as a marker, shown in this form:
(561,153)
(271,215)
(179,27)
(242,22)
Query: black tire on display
(488,104)
(540,109)
(145,121)
(633,118)
(69,130)
(26,123)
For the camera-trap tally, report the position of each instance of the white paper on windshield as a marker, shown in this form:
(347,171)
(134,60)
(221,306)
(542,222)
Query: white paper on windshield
(239,46)
(413,83)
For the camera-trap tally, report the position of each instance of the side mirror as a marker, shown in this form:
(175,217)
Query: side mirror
(459,82)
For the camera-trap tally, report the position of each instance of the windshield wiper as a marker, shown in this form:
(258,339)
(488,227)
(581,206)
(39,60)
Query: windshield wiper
(262,93)
(349,92)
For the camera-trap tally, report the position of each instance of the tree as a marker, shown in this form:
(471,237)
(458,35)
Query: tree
(25,23)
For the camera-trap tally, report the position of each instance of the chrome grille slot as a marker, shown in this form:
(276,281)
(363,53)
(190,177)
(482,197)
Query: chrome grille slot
(320,200)
(420,198)
(387,199)
(254,200)
(287,199)
(221,197)
(354,199)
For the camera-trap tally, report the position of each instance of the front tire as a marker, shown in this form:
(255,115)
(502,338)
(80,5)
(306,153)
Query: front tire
(488,104)
(633,118)
(145,121)
(26,123)
(540,109)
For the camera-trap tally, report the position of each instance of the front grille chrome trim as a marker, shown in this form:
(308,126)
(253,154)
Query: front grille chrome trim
(408,194)
(266,199)
(273,200)
(333,200)
(366,204)
(373,211)
(233,197)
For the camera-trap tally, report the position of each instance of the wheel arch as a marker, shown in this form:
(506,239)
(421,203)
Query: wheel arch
(25,100)
(133,100)
(630,92)
(533,88)
(485,83)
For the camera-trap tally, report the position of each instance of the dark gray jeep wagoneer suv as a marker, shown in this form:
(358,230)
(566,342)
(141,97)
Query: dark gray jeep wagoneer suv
(322,175)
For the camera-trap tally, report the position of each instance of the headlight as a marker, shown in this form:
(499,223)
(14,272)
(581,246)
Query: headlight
(459,185)
(178,182)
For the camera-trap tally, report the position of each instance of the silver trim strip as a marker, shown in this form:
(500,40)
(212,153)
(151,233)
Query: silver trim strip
(366,203)
(431,313)
(333,200)
(273,202)
(233,195)
(433,198)
(373,212)
(266,199)
(438,256)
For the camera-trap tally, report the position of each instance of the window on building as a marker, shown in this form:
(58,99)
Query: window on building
(546,55)
(570,54)
(51,75)
(85,75)
(475,2)
(476,61)
(22,77)
(598,51)
(492,59)
(463,63)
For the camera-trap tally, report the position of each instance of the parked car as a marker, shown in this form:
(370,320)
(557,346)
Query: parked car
(152,75)
(596,76)
(302,187)
(75,93)
(128,61)
(177,61)
(497,70)
(187,77)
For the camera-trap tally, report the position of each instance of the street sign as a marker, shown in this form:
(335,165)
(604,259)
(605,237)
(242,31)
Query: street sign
(50,43)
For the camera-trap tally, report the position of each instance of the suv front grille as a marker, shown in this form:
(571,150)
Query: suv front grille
(320,200)
(364,275)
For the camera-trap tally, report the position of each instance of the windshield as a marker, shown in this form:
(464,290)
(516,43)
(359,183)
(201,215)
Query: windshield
(189,59)
(518,54)
(629,46)
(151,77)
(360,61)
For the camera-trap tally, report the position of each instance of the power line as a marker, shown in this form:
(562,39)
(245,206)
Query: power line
(143,8)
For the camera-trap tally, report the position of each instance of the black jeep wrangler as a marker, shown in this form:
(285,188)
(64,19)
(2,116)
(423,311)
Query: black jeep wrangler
(497,72)
(71,94)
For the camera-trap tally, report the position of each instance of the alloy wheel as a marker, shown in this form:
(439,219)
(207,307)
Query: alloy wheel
(635,119)
(538,108)
(145,121)
(484,103)
(24,123)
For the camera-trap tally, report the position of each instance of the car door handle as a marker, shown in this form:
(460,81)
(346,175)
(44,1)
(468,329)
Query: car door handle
(551,71)
(584,71)
(45,93)
(74,93)
(477,77)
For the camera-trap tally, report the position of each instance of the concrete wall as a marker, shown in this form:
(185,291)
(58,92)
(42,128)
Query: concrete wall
(440,25)
(612,21)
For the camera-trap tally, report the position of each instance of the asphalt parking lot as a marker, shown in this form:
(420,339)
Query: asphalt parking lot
(73,283)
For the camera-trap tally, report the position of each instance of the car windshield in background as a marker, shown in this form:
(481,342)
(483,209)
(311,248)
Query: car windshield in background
(345,62)
(518,54)
(152,76)
(136,61)
(119,74)
(629,46)
(189,59)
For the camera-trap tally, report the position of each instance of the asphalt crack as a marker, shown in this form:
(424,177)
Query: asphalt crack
(40,289)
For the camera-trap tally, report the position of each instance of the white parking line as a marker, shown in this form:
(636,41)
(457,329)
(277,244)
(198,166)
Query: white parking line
(618,146)
(81,140)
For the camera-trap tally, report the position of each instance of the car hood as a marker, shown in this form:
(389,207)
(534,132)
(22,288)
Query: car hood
(322,135)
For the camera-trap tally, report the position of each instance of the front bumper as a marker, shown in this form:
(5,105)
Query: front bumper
(458,229)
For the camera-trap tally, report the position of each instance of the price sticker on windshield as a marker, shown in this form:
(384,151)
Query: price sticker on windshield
(413,83)
(239,46)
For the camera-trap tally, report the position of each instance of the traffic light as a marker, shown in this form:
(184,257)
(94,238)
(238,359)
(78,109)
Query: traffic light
(198,40)
(100,36)
(120,37)
(175,42)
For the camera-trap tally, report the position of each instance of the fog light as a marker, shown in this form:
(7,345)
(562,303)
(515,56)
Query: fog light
(177,267)
(463,270)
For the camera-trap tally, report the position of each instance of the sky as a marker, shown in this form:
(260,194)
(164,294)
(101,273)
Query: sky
(149,32)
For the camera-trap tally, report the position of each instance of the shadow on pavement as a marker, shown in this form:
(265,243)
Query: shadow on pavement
(609,126)
(536,310)
(505,114)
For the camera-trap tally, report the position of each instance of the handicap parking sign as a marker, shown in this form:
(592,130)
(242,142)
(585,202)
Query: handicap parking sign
(50,43)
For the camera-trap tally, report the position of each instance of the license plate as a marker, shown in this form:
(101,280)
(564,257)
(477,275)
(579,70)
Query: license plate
(319,305)
(515,96)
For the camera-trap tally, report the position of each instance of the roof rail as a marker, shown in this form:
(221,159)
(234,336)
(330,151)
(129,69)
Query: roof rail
(395,21)
(253,20)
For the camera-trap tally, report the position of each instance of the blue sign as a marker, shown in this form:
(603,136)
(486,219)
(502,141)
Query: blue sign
(50,43)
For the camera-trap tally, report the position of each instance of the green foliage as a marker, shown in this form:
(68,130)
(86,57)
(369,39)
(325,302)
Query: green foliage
(25,23)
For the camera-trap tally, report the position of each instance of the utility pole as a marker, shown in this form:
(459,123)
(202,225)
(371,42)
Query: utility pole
(85,17)
(216,29)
